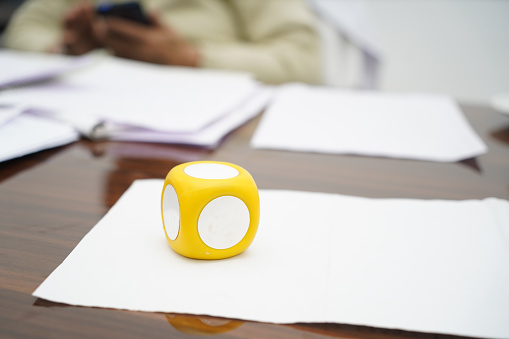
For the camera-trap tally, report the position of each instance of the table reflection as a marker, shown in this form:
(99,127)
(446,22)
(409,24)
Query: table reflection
(202,325)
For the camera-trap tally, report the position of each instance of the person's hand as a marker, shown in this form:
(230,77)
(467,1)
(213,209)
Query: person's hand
(79,37)
(156,43)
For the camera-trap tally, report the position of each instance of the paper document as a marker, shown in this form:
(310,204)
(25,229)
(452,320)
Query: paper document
(317,119)
(8,113)
(19,68)
(121,99)
(25,134)
(210,136)
(161,98)
(420,265)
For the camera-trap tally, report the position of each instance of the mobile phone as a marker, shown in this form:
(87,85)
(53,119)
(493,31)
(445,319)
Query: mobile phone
(127,10)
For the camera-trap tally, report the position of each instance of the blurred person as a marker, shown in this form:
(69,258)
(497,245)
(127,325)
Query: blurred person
(275,40)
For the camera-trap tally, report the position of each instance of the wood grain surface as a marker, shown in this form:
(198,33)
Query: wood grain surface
(51,199)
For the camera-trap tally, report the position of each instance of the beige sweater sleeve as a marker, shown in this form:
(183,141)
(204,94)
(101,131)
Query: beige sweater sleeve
(280,42)
(36,26)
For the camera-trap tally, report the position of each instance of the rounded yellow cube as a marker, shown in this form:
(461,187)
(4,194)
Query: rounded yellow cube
(210,209)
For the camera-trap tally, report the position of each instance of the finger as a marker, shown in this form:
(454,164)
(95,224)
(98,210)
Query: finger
(126,30)
(88,11)
(71,44)
(79,15)
(100,30)
(123,49)
(154,19)
(71,16)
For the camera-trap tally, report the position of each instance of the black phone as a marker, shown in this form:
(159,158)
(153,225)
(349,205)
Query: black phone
(127,10)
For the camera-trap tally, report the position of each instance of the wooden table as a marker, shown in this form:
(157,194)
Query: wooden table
(50,200)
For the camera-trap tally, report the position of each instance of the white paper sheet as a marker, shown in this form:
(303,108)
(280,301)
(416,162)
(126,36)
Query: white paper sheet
(9,112)
(210,136)
(25,134)
(430,266)
(315,119)
(161,98)
(22,68)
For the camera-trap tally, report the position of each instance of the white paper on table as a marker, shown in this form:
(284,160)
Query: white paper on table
(22,68)
(9,112)
(317,119)
(432,266)
(27,134)
(209,136)
(156,97)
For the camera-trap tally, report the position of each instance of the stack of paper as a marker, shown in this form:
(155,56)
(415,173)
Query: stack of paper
(314,119)
(421,265)
(128,100)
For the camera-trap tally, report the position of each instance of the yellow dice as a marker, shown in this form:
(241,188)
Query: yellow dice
(210,209)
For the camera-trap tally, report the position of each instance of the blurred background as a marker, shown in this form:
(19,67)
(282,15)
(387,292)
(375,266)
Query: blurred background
(7,7)
(455,47)
(458,47)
